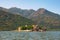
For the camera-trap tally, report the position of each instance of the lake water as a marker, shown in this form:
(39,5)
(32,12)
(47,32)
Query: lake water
(48,35)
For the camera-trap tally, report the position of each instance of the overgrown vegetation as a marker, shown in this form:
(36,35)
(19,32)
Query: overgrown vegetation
(28,27)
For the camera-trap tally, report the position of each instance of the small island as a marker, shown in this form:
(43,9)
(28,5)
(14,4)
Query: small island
(35,28)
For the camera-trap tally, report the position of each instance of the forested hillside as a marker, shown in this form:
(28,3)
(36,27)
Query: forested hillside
(9,21)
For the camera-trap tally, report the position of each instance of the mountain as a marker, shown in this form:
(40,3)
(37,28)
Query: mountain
(4,9)
(41,17)
(23,12)
(45,18)
(9,21)
(19,11)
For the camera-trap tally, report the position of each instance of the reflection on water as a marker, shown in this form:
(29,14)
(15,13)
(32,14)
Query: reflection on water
(10,35)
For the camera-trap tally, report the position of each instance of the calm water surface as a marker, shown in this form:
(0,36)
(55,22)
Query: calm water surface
(10,35)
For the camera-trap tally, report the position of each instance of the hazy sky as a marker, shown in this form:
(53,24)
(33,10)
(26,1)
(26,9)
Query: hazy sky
(51,5)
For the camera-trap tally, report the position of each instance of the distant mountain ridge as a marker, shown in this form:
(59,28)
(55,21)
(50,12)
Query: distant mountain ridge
(19,11)
(23,12)
(41,17)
